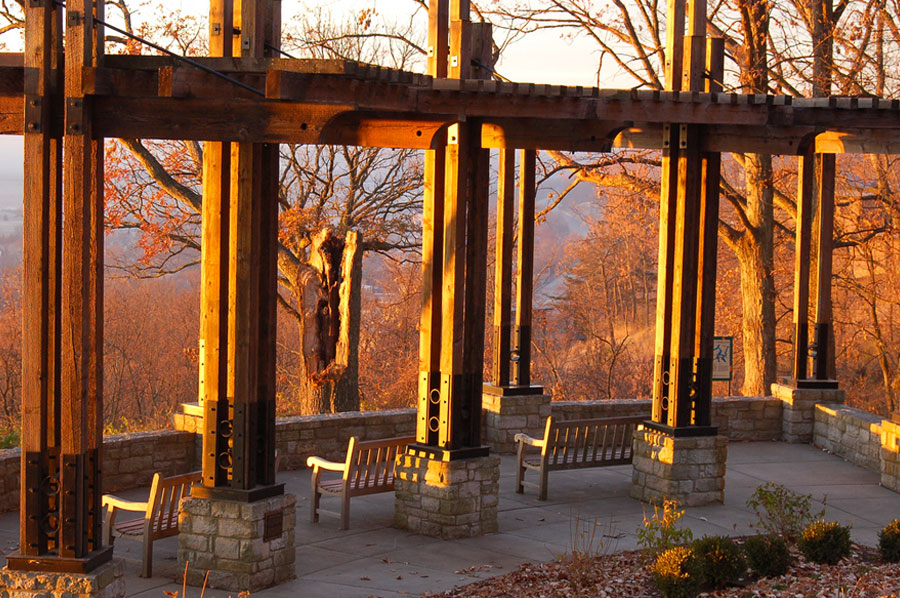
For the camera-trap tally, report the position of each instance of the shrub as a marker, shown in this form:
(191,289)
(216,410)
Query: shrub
(676,574)
(660,531)
(719,560)
(825,542)
(781,511)
(768,556)
(889,542)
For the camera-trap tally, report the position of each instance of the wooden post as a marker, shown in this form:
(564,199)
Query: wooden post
(824,341)
(709,230)
(241,184)
(63,378)
(805,185)
(668,202)
(39,515)
(214,275)
(506,187)
(521,375)
(428,421)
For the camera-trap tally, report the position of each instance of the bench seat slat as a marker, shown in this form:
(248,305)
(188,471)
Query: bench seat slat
(577,444)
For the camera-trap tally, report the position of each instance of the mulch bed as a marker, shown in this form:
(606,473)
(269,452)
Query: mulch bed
(626,575)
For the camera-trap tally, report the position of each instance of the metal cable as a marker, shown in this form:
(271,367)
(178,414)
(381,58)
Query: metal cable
(184,59)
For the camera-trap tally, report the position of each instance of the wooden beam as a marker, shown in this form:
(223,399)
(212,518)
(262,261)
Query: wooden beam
(77,296)
(708,252)
(456,203)
(214,276)
(805,186)
(668,202)
(41,273)
(521,375)
(823,364)
(503,266)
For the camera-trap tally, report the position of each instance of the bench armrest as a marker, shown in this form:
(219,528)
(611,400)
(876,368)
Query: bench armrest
(114,502)
(320,463)
(526,439)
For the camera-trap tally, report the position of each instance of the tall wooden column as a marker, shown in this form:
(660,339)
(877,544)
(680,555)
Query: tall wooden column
(521,372)
(428,423)
(688,224)
(450,414)
(240,211)
(810,180)
(61,528)
(823,362)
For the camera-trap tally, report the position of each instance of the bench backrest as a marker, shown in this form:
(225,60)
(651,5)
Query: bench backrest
(370,463)
(589,442)
(164,502)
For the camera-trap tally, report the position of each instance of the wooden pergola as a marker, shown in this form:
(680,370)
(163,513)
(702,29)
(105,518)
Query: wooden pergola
(243,103)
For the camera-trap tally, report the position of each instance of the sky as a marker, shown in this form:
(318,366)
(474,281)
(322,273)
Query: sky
(539,58)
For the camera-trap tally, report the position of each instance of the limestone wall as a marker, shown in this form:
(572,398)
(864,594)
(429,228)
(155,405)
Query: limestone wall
(852,434)
(738,418)
(327,435)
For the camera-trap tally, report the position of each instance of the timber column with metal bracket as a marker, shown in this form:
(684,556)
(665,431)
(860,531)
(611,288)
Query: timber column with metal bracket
(62,403)
(680,431)
(238,301)
(448,456)
(510,399)
(801,392)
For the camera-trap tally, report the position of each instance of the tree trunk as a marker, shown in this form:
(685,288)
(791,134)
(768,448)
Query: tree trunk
(329,302)
(755,255)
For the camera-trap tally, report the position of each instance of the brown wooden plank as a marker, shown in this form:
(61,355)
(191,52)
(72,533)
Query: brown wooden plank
(668,202)
(684,279)
(76,295)
(432,287)
(40,276)
(823,364)
(503,266)
(806,173)
(708,252)
(674,44)
(521,375)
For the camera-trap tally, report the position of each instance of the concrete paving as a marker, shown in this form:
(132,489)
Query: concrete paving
(374,559)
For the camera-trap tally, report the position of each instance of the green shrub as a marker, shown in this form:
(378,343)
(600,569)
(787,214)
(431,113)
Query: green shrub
(781,511)
(10,438)
(825,542)
(676,573)
(768,556)
(889,542)
(719,560)
(660,531)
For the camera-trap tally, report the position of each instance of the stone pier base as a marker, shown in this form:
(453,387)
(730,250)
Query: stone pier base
(446,499)
(690,470)
(798,414)
(244,546)
(506,416)
(106,581)
(890,455)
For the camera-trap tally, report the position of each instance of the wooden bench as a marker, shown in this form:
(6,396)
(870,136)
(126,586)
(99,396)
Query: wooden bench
(160,518)
(575,444)
(368,469)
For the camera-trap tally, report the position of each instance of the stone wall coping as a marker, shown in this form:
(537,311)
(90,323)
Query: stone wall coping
(343,415)
(860,418)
